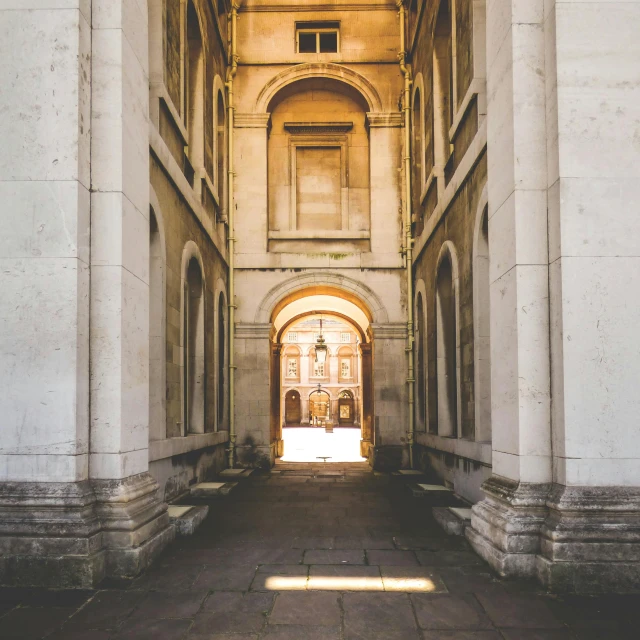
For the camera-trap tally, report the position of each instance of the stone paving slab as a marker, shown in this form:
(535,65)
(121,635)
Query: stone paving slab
(269,563)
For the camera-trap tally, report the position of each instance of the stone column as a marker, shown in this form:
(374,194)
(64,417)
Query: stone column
(252,223)
(591,538)
(134,518)
(367,400)
(385,150)
(390,395)
(276,408)
(253,394)
(506,525)
(49,533)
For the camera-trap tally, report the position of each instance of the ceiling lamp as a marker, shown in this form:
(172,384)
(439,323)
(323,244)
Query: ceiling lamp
(321,347)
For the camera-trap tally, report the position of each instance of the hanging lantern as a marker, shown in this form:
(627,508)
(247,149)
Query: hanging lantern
(321,347)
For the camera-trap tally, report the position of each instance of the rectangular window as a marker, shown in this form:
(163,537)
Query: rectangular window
(345,368)
(292,336)
(317,37)
(292,368)
(345,337)
(318,369)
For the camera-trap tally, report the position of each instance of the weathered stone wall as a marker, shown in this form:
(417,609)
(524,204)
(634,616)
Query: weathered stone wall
(446,212)
(187,217)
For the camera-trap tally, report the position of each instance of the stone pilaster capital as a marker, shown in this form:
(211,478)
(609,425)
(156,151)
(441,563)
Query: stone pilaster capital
(246,331)
(390,331)
(252,120)
(390,120)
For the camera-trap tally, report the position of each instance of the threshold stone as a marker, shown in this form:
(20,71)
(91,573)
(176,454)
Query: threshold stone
(211,489)
(186,519)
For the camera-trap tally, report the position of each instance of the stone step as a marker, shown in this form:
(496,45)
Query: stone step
(421,490)
(408,473)
(187,518)
(452,519)
(236,474)
(212,489)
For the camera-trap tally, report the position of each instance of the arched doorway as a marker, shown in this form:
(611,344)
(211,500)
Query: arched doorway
(334,389)
(292,408)
(319,408)
(346,408)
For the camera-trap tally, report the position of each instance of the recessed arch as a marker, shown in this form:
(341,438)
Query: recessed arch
(319,312)
(221,352)
(420,344)
(318,70)
(192,340)
(482,320)
(157,321)
(321,283)
(449,408)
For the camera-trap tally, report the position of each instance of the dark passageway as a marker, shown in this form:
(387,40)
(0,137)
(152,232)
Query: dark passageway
(318,552)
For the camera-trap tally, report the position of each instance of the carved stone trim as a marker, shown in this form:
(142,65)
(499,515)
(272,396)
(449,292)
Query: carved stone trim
(505,526)
(385,120)
(318,127)
(258,331)
(389,331)
(252,120)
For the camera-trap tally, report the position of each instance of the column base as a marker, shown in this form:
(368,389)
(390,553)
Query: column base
(50,535)
(135,523)
(505,526)
(590,541)
(73,535)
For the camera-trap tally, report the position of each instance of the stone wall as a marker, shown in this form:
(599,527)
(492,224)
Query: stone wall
(448,200)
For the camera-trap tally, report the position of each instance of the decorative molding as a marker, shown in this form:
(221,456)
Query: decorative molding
(463,172)
(303,7)
(254,331)
(477,89)
(325,70)
(252,120)
(391,120)
(161,153)
(328,236)
(169,447)
(389,331)
(318,127)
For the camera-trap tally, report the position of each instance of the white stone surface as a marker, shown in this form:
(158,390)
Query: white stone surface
(594,198)
(177,511)
(44,246)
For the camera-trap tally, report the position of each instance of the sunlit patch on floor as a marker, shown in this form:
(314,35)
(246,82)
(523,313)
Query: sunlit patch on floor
(351,583)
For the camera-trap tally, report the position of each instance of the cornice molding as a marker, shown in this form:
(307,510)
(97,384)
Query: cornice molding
(385,120)
(251,120)
(318,127)
(300,7)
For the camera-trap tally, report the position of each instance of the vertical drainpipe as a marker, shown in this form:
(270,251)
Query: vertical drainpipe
(231,72)
(408,241)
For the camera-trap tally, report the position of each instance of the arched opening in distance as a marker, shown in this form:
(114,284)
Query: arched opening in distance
(194,94)
(446,349)
(324,404)
(221,125)
(221,355)
(194,373)
(420,341)
(482,329)
(417,150)
(443,83)
(157,344)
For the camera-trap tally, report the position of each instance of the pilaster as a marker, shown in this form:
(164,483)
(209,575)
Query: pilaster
(134,519)
(505,526)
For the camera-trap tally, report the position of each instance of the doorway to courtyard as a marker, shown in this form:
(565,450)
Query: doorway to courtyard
(321,380)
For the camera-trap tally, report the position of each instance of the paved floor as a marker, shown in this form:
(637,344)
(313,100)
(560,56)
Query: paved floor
(329,552)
